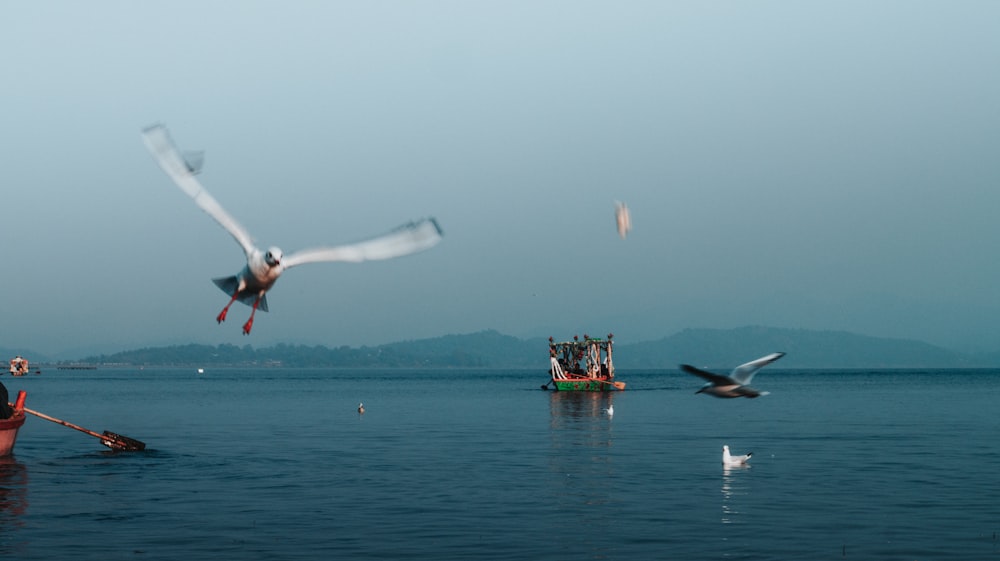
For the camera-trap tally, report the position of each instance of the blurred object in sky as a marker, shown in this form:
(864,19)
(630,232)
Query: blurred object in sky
(623,219)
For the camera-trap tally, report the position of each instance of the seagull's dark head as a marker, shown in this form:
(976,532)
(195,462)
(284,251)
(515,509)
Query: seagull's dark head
(273,256)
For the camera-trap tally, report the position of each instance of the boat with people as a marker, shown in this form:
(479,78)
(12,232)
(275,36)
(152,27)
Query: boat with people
(11,424)
(18,366)
(585,365)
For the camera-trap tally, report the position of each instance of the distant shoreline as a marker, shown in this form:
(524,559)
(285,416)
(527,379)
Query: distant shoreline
(489,349)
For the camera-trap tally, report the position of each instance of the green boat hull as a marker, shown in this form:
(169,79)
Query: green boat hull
(584,386)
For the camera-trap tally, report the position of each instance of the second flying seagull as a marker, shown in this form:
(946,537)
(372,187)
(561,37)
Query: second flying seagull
(734,385)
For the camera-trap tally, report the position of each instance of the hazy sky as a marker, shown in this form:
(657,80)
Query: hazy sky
(818,165)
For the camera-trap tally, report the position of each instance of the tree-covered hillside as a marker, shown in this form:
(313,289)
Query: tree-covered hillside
(712,348)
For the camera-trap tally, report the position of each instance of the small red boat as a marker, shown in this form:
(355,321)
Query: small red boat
(9,427)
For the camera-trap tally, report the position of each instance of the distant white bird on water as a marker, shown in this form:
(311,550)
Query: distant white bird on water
(730,460)
(610,410)
(623,219)
(263,268)
(734,385)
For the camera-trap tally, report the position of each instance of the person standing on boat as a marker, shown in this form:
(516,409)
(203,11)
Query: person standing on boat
(6,412)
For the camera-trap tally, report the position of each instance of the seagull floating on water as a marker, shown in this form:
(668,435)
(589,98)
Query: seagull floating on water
(263,268)
(610,410)
(729,460)
(734,385)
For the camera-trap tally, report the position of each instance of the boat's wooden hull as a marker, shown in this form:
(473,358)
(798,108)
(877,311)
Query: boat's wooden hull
(587,385)
(8,433)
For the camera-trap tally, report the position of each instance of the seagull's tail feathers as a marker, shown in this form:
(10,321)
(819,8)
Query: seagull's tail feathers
(229,286)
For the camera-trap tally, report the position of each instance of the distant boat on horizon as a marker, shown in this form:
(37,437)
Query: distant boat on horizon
(18,366)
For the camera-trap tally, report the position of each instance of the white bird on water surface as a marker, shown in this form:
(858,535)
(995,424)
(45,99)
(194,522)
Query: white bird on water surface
(610,410)
(734,385)
(730,460)
(263,268)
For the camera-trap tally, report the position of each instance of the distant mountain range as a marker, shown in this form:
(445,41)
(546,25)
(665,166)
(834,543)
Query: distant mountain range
(711,348)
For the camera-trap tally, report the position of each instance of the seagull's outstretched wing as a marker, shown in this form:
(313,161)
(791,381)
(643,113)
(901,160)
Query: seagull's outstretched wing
(708,376)
(744,372)
(411,238)
(183,171)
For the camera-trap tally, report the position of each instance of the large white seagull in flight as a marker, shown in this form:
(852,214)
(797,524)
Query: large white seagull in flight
(263,268)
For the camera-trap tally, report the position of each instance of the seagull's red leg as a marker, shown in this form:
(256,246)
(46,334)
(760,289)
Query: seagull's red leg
(222,315)
(249,324)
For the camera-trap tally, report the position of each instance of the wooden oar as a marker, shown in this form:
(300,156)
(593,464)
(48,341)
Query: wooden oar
(109,439)
(617,385)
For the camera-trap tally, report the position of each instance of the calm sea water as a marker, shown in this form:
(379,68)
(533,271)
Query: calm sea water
(277,464)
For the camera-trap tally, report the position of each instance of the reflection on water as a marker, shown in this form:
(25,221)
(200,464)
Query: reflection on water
(580,466)
(732,491)
(13,491)
(569,407)
(581,432)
